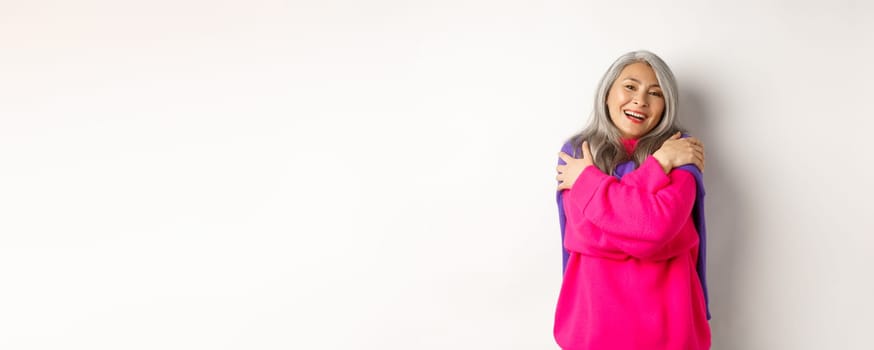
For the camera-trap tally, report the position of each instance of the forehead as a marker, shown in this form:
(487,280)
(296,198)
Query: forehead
(639,71)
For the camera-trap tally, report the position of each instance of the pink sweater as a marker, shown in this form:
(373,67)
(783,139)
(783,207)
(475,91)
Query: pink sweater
(630,281)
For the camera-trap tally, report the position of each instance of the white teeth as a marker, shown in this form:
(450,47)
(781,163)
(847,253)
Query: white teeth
(636,115)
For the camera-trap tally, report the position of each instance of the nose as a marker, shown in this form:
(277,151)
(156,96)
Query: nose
(640,99)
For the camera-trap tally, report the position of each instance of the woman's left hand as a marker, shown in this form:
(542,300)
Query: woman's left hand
(677,151)
(568,173)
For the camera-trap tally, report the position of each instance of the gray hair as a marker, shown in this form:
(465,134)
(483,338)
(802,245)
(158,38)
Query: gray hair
(605,140)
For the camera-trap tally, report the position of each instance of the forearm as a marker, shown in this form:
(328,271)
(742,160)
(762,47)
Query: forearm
(646,205)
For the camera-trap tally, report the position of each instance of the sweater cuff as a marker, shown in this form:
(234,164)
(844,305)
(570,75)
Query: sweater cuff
(585,187)
(650,175)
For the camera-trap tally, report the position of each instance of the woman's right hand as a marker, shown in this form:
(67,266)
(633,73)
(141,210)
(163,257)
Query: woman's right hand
(568,173)
(677,152)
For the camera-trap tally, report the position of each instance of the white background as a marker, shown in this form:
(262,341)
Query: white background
(195,174)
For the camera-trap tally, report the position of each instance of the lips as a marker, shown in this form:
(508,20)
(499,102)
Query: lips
(635,116)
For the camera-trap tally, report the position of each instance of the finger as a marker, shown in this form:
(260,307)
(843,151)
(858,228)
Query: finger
(587,154)
(693,160)
(564,156)
(692,142)
(676,136)
(700,156)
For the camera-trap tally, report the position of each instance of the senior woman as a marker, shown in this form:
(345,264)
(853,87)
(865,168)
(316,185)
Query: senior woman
(630,199)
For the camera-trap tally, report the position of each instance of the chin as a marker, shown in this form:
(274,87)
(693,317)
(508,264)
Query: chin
(630,135)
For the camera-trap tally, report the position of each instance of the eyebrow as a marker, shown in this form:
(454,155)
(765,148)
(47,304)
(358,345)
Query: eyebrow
(638,81)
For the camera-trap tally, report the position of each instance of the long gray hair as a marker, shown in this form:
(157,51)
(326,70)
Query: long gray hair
(604,138)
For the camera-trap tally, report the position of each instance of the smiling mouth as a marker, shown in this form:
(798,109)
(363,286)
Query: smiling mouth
(635,116)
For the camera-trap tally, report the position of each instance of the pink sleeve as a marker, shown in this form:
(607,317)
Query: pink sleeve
(639,214)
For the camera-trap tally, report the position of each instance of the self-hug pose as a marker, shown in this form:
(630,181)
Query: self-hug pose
(631,211)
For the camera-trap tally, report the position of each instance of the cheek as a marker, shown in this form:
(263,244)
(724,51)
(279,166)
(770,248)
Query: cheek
(656,121)
(660,110)
(616,99)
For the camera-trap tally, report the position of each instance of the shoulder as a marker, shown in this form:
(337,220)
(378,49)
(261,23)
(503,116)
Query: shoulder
(692,169)
(568,147)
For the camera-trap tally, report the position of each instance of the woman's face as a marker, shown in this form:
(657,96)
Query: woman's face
(635,101)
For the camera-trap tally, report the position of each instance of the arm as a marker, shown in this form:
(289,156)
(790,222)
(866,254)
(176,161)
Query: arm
(562,218)
(639,214)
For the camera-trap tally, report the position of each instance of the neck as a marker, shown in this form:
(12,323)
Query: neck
(629,145)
